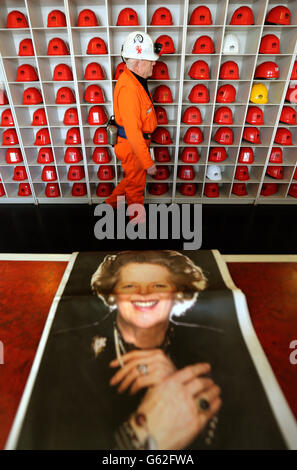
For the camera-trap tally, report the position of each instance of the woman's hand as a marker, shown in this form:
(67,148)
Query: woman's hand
(158,367)
(171,408)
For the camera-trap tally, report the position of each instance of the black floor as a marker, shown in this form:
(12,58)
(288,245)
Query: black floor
(231,229)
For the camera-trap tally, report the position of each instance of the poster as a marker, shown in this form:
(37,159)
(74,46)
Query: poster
(150,350)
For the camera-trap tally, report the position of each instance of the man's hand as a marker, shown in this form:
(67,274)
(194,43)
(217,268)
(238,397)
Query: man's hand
(152,170)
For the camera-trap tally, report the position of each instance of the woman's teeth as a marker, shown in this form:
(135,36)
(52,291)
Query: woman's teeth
(147,304)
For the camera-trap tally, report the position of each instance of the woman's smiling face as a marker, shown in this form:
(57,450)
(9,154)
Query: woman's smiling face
(144,294)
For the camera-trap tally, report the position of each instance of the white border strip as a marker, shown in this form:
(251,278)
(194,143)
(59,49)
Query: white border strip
(33,257)
(226,258)
(18,421)
(260,258)
(276,398)
(223,270)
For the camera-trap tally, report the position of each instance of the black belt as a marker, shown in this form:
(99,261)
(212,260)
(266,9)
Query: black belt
(122,133)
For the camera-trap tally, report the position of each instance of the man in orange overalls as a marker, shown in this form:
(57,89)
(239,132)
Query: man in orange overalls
(135,117)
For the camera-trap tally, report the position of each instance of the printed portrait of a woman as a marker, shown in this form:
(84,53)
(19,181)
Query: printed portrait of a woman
(145,352)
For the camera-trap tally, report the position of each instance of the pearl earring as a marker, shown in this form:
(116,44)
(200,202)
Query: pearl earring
(180,296)
(111,299)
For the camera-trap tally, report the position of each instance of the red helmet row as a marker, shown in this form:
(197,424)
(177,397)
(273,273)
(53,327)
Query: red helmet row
(203,45)
(19,173)
(100,136)
(97,116)
(254,115)
(101,155)
(283,136)
(224,136)
(128,17)
(3,97)
(71,117)
(24,190)
(275,172)
(104,189)
(57,46)
(288,115)
(42,137)
(270,44)
(96,46)
(223,115)
(252,134)
(211,190)
(157,189)
(192,115)
(268,189)
(162,17)
(239,189)
(267,70)
(94,94)
(160,71)
(26,73)
(62,72)
(217,154)
(55,19)
(161,115)
(26,47)
(161,136)
(7,118)
(291,95)
(167,44)
(199,94)
(293,190)
(87,18)
(16,19)
(9,137)
(65,95)
(242,173)
(201,16)
(94,71)
(193,136)
(162,94)
(162,154)
(199,70)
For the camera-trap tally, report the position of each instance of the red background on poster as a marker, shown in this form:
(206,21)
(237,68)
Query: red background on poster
(27,289)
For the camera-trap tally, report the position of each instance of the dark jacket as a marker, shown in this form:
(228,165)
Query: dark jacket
(74,407)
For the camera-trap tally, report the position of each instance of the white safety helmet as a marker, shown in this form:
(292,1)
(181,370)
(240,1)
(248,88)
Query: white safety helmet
(213,173)
(231,44)
(139,45)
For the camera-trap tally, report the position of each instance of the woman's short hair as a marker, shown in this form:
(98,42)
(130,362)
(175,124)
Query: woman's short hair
(185,275)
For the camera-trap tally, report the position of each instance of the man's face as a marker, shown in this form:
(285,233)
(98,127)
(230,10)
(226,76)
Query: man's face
(145,68)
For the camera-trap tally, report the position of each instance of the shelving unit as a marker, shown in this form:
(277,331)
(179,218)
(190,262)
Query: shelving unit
(184,37)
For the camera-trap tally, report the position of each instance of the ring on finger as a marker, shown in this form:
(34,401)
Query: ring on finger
(203,404)
(142,369)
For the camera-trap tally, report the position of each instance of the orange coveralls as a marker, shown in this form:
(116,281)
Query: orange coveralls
(135,112)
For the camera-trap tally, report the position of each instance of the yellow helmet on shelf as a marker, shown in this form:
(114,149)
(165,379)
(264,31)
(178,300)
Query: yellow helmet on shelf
(259,94)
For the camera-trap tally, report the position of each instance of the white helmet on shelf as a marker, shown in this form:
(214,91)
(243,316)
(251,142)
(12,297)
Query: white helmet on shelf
(231,44)
(213,173)
(139,45)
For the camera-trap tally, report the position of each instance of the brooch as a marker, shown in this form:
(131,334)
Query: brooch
(98,345)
